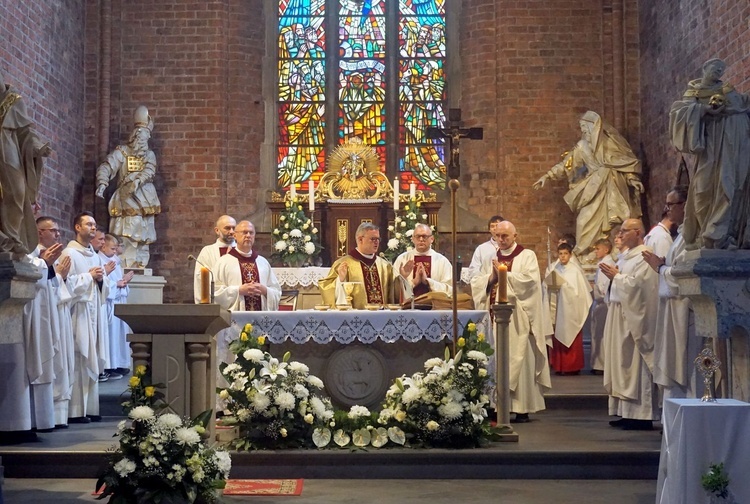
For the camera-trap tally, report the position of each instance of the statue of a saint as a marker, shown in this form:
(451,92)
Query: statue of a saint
(604,186)
(134,203)
(711,122)
(21,166)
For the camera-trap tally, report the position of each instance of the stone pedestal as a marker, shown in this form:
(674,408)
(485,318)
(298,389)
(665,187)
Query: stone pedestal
(502,313)
(718,284)
(146,289)
(176,341)
(17,287)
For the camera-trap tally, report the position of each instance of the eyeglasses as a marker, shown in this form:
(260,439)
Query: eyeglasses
(422,237)
(375,239)
(671,204)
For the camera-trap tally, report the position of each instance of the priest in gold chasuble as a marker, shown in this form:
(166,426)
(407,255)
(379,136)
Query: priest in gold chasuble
(370,275)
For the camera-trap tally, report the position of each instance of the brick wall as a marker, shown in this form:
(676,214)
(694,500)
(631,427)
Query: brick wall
(48,75)
(676,39)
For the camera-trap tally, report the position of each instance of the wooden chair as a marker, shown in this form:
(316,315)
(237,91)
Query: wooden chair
(288,301)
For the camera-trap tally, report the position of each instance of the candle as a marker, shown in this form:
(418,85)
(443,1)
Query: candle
(412,191)
(395,194)
(205,286)
(311,196)
(502,283)
(293,192)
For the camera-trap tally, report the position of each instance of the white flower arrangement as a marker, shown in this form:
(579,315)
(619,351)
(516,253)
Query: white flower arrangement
(163,459)
(296,240)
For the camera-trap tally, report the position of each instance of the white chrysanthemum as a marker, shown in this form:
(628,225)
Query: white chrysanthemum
(187,436)
(260,402)
(301,391)
(280,245)
(410,395)
(393,243)
(409,233)
(285,400)
(299,367)
(358,411)
(477,356)
(455,396)
(315,381)
(141,413)
(223,463)
(431,363)
(253,355)
(318,407)
(121,426)
(170,420)
(385,415)
(309,248)
(243,414)
(231,368)
(124,467)
(451,410)
(295,233)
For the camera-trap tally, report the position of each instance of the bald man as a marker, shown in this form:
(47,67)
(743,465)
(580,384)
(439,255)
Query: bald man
(529,367)
(629,332)
(210,254)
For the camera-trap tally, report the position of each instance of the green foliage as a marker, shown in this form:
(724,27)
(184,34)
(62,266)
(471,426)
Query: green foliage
(716,480)
(141,392)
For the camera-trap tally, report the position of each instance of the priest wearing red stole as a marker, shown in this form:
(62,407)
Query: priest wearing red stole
(423,270)
(210,254)
(371,275)
(529,367)
(244,280)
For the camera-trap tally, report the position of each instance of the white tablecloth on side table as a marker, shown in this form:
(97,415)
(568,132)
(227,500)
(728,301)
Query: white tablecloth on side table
(696,435)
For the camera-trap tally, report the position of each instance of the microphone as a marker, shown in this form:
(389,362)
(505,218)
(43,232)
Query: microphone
(191,257)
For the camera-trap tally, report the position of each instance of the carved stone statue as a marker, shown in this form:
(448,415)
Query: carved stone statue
(711,122)
(134,203)
(604,186)
(21,166)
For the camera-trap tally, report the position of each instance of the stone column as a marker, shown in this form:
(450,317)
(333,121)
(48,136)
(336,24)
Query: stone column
(718,284)
(502,312)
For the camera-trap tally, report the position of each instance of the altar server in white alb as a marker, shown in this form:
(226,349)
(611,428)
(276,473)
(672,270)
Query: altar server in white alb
(60,304)
(119,351)
(603,251)
(244,279)
(86,283)
(423,270)
(210,254)
(629,333)
(529,367)
(486,251)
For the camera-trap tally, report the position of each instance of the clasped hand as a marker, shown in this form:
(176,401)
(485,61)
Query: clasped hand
(253,289)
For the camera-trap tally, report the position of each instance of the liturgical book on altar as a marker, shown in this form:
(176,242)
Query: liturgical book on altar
(439,301)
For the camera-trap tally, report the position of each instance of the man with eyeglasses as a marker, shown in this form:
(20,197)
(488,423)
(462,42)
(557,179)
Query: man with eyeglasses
(629,333)
(371,274)
(676,344)
(423,270)
(244,279)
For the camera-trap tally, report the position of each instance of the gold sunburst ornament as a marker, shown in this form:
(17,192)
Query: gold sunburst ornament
(354,173)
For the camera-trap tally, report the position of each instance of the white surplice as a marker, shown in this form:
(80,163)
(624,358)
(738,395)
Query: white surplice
(441,273)
(89,327)
(573,303)
(208,257)
(119,351)
(599,314)
(659,239)
(529,367)
(629,334)
(483,254)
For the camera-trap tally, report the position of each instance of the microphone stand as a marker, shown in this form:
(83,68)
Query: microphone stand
(211,292)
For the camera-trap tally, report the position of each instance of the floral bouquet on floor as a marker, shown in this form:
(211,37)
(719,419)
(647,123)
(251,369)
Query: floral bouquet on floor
(446,405)
(296,242)
(163,459)
(142,392)
(400,233)
(275,403)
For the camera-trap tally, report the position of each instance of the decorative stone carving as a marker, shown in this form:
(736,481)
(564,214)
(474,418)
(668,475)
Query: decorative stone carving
(17,287)
(356,375)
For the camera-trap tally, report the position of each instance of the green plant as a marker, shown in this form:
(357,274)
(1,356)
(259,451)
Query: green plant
(716,480)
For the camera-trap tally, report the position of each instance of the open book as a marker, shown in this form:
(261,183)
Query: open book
(439,301)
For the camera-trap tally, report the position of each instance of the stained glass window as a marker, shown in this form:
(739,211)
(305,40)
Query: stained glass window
(361,68)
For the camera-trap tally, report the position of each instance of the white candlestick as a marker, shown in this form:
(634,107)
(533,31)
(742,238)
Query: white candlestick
(311,196)
(412,191)
(395,194)
(293,192)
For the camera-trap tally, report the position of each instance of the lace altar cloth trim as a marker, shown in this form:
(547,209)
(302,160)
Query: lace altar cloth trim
(305,277)
(300,277)
(356,325)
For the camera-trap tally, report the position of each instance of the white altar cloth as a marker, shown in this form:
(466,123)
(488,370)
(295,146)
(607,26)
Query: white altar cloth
(696,435)
(309,275)
(358,325)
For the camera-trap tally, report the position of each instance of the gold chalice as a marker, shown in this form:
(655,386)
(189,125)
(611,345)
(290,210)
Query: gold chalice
(349,291)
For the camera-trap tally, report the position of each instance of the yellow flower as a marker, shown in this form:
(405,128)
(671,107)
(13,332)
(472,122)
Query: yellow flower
(309,419)
(472,327)
(140,370)
(248,328)
(224,393)
(283,432)
(199,429)
(149,391)
(287,204)
(134,381)
(461,342)
(261,340)
(433,425)
(482,372)
(480,336)
(243,336)
(400,415)
(299,207)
